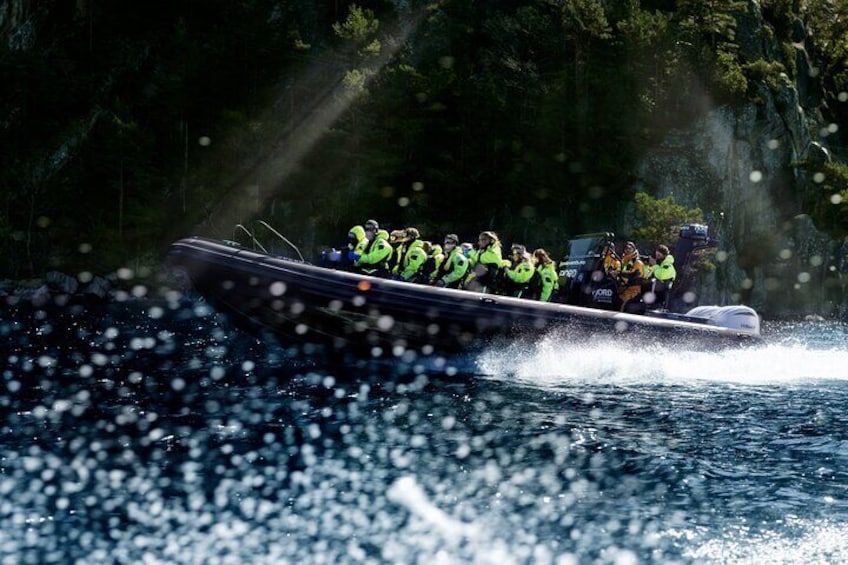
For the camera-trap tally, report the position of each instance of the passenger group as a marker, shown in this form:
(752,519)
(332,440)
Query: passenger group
(636,279)
(404,255)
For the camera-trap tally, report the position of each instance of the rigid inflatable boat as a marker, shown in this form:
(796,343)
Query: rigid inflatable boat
(303,301)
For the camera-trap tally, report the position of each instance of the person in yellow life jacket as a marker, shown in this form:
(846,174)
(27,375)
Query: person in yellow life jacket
(412,264)
(403,241)
(517,271)
(548,276)
(483,276)
(453,267)
(612,263)
(373,260)
(661,274)
(435,258)
(395,240)
(631,276)
(356,244)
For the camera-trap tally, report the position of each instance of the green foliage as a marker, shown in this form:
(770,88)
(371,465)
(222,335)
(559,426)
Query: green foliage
(359,31)
(359,28)
(713,21)
(354,80)
(730,74)
(827,26)
(660,219)
(584,20)
(770,73)
(709,27)
(650,48)
(780,19)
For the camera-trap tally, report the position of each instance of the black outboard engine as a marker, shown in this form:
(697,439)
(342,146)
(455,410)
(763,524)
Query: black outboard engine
(582,281)
(693,244)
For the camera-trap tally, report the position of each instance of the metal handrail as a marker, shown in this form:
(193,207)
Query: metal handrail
(250,235)
(281,236)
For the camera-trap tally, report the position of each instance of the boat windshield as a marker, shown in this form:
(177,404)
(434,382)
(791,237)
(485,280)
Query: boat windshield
(586,246)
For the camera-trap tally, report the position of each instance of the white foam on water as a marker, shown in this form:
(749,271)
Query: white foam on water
(555,361)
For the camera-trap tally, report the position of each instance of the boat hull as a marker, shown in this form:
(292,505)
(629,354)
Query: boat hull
(300,301)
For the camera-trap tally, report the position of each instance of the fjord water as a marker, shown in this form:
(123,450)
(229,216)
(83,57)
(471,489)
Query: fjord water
(156,432)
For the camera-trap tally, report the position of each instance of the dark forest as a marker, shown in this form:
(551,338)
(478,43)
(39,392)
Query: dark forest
(126,125)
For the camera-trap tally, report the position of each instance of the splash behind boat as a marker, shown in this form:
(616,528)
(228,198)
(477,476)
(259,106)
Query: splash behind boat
(308,302)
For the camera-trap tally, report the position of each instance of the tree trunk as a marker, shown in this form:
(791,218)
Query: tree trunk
(121,202)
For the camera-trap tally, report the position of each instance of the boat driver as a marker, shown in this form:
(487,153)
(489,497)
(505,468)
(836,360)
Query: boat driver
(633,273)
(612,263)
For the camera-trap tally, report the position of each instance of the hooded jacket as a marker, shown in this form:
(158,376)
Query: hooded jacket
(413,260)
(550,281)
(452,268)
(520,273)
(357,240)
(664,270)
(633,270)
(486,265)
(376,254)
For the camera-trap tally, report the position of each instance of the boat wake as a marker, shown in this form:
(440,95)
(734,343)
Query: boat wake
(555,361)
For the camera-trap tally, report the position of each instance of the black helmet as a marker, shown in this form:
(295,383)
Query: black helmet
(372,225)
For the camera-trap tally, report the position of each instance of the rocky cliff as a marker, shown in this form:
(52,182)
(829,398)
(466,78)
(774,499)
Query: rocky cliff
(739,164)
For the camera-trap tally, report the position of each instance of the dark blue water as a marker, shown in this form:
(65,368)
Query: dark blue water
(156,432)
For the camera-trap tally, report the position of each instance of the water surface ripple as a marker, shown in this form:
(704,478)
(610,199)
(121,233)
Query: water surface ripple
(154,431)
